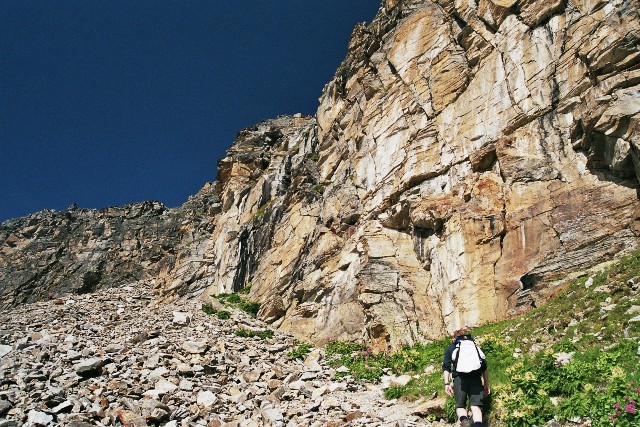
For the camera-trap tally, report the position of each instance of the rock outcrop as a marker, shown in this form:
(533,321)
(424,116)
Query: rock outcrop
(49,253)
(465,155)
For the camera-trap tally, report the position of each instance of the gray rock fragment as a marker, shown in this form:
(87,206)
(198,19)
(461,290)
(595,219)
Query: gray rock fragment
(195,347)
(89,367)
(4,406)
(5,349)
(206,399)
(37,418)
(181,319)
(62,407)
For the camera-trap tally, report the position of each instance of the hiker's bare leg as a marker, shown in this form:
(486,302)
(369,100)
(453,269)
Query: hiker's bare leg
(476,412)
(461,412)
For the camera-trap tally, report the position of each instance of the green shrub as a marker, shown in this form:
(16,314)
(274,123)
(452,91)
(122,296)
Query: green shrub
(208,309)
(247,333)
(300,351)
(343,348)
(223,314)
(239,302)
(250,307)
(450,409)
(228,298)
(583,386)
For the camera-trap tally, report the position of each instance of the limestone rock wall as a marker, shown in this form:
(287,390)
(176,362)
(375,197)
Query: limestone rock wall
(263,174)
(464,155)
(491,144)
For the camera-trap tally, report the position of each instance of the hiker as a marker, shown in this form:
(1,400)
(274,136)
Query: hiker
(465,376)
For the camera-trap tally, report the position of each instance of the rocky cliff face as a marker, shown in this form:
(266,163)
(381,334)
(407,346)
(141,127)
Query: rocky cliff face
(82,250)
(465,155)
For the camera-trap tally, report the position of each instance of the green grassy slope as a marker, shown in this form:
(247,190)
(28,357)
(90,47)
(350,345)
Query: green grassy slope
(573,359)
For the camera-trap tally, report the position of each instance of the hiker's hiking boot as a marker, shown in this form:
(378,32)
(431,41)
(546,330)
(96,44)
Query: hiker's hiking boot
(465,423)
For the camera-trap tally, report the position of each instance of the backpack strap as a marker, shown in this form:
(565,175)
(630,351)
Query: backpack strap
(483,360)
(477,350)
(455,359)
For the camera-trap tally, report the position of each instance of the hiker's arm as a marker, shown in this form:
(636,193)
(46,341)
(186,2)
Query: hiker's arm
(448,388)
(446,361)
(485,381)
(446,372)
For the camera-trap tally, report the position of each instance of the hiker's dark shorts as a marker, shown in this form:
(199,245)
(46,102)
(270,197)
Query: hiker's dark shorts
(468,387)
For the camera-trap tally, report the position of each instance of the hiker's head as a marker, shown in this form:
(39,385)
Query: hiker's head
(461,332)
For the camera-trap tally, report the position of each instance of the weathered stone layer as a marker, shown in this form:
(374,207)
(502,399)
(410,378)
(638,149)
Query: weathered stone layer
(464,155)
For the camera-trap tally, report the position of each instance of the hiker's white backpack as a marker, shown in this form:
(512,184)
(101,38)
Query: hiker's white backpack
(467,356)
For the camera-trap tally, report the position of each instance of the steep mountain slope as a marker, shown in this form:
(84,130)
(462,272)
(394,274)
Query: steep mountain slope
(465,155)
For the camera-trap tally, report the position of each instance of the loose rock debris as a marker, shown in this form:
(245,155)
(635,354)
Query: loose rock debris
(115,358)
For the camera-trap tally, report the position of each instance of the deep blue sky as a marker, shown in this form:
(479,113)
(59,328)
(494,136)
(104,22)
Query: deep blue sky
(111,102)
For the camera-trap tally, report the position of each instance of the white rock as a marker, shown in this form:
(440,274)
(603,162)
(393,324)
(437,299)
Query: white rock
(330,402)
(563,358)
(61,407)
(343,369)
(195,347)
(163,386)
(152,361)
(311,362)
(633,309)
(37,418)
(5,349)
(273,415)
(206,399)
(608,307)
(186,385)
(429,369)
(181,319)
(588,283)
(309,375)
(296,385)
(238,398)
(158,372)
(184,368)
(401,381)
(319,392)
(337,386)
